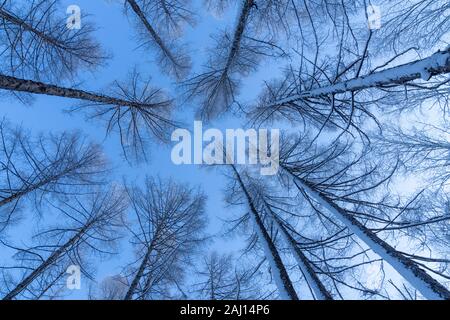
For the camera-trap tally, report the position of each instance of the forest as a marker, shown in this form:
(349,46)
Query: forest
(93,205)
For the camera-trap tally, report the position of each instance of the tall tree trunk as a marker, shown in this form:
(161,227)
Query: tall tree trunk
(138,11)
(35,87)
(238,34)
(137,278)
(438,63)
(44,265)
(320,292)
(284,283)
(407,268)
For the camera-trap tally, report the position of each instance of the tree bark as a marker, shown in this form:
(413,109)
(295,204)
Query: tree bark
(138,276)
(438,63)
(47,263)
(35,87)
(238,33)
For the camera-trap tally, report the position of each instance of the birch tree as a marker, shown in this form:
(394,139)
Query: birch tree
(89,226)
(337,83)
(330,263)
(167,230)
(279,100)
(261,196)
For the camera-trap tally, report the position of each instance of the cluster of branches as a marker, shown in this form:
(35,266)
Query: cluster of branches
(85,217)
(36,169)
(338,206)
(333,224)
(341,80)
(159,25)
(335,212)
(237,54)
(36,43)
(38,50)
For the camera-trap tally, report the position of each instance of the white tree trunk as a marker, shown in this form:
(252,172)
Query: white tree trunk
(438,63)
(407,268)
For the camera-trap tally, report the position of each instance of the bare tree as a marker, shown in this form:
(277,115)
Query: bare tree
(36,42)
(328,178)
(133,109)
(166,232)
(47,166)
(421,151)
(308,270)
(221,280)
(171,16)
(168,15)
(336,82)
(437,64)
(265,199)
(414,22)
(284,284)
(110,288)
(89,227)
(236,55)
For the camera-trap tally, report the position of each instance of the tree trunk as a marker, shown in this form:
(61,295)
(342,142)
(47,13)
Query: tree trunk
(320,292)
(152,31)
(407,268)
(284,283)
(138,276)
(35,87)
(47,263)
(34,187)
(47,38)
(438,63)
(238,33)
